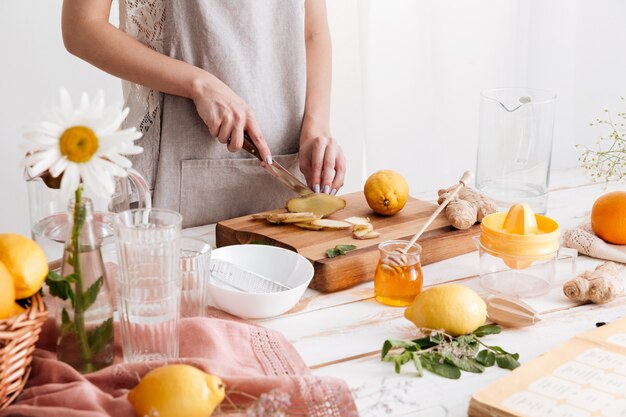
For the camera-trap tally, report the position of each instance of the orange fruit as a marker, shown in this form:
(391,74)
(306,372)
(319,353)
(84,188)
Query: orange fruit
(608,217)
(7,292)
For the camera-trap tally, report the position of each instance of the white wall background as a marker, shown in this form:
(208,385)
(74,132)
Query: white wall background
(407,77)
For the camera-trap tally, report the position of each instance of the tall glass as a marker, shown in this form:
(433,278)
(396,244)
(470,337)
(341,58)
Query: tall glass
(195,264)
(148,283)
(515,146)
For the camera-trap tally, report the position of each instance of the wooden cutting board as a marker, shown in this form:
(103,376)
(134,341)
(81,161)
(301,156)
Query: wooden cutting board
(440,241)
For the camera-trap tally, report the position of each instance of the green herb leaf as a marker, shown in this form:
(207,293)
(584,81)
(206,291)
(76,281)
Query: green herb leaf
(468,343)
(395,344)
(465,364)
(418,364)
(89,296)
(339,250)
(101,336)
(486,357)
(487,329)
(67,326)
(507,361)
(441,368)
(345,248)
(260,242)
(424,342)
(60,286)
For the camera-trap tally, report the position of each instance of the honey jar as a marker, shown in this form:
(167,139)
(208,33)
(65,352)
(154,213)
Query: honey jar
(398,277)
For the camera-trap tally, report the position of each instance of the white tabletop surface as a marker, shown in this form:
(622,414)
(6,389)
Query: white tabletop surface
(340,334)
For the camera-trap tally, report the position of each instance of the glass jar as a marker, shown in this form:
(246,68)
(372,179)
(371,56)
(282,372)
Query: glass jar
(398,279)
(85,317)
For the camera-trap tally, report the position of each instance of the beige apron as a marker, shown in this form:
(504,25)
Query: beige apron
(257,49)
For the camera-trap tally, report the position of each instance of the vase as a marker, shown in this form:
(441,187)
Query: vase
(85,318)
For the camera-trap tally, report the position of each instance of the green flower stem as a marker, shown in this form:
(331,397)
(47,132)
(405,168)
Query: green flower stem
(79,313)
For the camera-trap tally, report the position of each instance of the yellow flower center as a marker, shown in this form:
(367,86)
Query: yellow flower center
(78,144)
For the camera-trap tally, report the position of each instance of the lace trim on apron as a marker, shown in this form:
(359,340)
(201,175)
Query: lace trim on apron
(144,20)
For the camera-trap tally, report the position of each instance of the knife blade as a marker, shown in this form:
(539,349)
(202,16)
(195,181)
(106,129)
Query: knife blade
(277,170)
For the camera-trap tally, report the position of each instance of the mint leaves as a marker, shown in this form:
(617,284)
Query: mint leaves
(339,250)
(448,356)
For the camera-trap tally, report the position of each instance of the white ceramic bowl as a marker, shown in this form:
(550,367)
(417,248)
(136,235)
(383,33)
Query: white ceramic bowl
(278,264)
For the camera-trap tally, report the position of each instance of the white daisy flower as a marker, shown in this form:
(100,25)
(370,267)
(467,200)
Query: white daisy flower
(85,144)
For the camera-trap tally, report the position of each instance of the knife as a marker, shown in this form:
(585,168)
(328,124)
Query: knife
(277,170)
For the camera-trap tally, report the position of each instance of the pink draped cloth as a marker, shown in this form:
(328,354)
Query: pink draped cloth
(248,358)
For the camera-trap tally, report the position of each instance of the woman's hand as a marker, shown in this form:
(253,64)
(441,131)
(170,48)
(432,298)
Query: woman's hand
(322,162)
(227,115)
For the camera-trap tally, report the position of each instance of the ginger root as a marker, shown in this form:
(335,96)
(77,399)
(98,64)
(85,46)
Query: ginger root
(599,286)
(468,207)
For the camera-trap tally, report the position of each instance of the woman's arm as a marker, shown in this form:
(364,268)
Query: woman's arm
(88,34)
(321,159)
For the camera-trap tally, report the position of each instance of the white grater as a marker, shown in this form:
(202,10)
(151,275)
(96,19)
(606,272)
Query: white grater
(240,279)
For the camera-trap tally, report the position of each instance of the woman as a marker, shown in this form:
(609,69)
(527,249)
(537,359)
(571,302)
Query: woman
(201,72)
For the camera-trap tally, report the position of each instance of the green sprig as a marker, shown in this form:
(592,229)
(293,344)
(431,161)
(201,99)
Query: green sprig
(446,355)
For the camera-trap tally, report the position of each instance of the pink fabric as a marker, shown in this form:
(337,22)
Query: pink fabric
(248,358)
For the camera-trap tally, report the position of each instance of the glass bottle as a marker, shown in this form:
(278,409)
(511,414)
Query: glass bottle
(85,318)
(398,279)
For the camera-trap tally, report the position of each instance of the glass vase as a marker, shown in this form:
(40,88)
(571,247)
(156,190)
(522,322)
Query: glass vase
(85,318)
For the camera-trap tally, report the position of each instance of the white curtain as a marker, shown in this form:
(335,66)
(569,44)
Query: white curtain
(424,63)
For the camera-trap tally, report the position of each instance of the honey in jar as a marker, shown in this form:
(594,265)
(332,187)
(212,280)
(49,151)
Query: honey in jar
(398,278)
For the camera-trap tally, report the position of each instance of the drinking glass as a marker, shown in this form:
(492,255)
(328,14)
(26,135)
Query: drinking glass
(515,146)
(195,264)
(148,283)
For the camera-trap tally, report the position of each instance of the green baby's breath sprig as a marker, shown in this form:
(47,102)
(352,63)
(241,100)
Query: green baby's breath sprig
(608,161)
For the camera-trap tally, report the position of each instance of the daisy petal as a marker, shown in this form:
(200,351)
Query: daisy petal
(58,167)
(71,179)
(66,102)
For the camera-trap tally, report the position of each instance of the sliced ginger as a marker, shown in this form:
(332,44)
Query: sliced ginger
(278,218)
(319,204)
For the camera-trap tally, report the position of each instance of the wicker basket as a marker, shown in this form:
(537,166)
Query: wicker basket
(18,336)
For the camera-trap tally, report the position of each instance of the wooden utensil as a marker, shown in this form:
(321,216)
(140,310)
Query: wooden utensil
(400,259)
(511,312)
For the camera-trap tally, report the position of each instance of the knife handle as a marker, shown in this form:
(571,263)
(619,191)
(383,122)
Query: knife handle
(250,147)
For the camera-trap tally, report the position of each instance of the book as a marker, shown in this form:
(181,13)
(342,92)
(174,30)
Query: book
(583,377)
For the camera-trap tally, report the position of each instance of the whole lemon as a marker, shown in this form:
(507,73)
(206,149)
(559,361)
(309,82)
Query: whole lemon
(456,309)
(386,192)
(608,217)
(177,390)
(25,261)
(7,293)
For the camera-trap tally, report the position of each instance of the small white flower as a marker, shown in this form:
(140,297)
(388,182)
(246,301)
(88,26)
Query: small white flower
(85,144)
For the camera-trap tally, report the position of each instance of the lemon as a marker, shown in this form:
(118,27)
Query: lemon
(25,261)
(177,390)
(386,192)
(456,309)
(16,309)
(7,292)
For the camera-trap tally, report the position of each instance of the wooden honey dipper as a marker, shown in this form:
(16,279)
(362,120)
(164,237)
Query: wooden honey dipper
(398,258)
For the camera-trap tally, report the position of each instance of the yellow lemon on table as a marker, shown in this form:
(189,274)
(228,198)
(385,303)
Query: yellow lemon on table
(7,293)
(456,309)
(177,390)
(386,192)
(25,261)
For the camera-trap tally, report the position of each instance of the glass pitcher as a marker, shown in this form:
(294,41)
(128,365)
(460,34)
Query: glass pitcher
(48,215)
(515,146)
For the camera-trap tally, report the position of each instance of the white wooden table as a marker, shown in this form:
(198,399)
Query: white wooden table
(340,334)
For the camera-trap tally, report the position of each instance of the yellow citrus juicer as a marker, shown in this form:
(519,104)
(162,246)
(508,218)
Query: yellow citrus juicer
(519,237)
